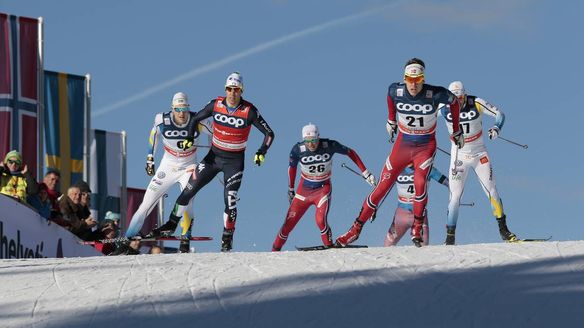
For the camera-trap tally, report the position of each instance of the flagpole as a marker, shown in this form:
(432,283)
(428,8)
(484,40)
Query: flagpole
(41,102)
(124,191)
(87,129)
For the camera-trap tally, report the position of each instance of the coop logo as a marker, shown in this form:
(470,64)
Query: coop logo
(315,158)
(405,179)
(427,108)
(466,116)
(176,133)
(233,121)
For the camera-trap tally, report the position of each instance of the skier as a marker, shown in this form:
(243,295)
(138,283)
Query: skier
(176,165)
(473,156)
(233,118)
(416,105)
(315,155)
(403,218)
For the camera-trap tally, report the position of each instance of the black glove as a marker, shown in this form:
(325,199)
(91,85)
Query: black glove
(291,194)
(458,137)
(259,158)
(150,165)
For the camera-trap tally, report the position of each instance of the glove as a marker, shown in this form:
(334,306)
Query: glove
(458,138)
(150,165)
(369,177)
(186,144)
(494,133)
(391,127)
(291,194)
(259,158)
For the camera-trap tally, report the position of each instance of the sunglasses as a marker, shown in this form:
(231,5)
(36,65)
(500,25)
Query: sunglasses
(315,140)
(417,79)
(13,162)
(181,109)
(230,89)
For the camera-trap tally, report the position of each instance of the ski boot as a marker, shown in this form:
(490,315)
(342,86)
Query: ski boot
(504,231)
(184,246)
(227,240)
(166,229)
(417,231)
(351,235)
(450,233)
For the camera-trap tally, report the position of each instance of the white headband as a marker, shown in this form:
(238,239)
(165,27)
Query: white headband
(414,70)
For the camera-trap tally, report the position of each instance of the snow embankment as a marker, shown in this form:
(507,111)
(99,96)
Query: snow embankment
(486,285)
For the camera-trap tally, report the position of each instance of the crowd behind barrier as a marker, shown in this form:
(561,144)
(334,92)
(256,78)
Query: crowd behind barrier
(70,211)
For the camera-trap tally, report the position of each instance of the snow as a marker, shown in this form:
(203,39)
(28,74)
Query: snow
(483,285)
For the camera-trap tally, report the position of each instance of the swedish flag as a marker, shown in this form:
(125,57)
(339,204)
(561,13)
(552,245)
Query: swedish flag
(64,125)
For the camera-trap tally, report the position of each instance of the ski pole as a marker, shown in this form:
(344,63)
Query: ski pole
(513,142)
(374,215)
(352,170)
(444,151)
(455,170)
(467,204)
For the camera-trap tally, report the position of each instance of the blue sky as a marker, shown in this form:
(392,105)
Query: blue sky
(329,63)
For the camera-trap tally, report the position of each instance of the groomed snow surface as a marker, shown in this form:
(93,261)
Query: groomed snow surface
(484,285)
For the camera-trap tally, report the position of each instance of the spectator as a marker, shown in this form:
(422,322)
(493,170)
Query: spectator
(155,249)
(15,180)
(51,179)
(69,206)
(84,200)
(41,201)
(83,227)
(107,229)
(72,214)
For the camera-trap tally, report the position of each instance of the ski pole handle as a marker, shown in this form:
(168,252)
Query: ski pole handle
(513,142)
(467,204)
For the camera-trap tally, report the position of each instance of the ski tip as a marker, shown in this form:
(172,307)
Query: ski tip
(529,240)
(322,247)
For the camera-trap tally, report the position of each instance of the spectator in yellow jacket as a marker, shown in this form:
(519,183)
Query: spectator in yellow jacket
(15,180)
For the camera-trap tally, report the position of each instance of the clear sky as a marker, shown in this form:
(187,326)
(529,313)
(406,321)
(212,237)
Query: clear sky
(330,63)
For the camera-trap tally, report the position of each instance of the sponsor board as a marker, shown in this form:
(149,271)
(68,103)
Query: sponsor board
(25,234)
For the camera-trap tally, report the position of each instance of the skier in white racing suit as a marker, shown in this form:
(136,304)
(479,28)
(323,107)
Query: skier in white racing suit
(473,156)
(176,165)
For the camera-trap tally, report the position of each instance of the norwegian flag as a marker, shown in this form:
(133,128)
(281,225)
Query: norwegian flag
(19,87)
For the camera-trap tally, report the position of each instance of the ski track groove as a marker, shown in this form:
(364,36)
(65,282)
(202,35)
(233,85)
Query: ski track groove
(259,294)
(95,307)
(216,291)
(37,299)
(149,286)
(438,282)
(334,275)
(494,249)
(191,291)
(334,272)
(130,273)
(570,267)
